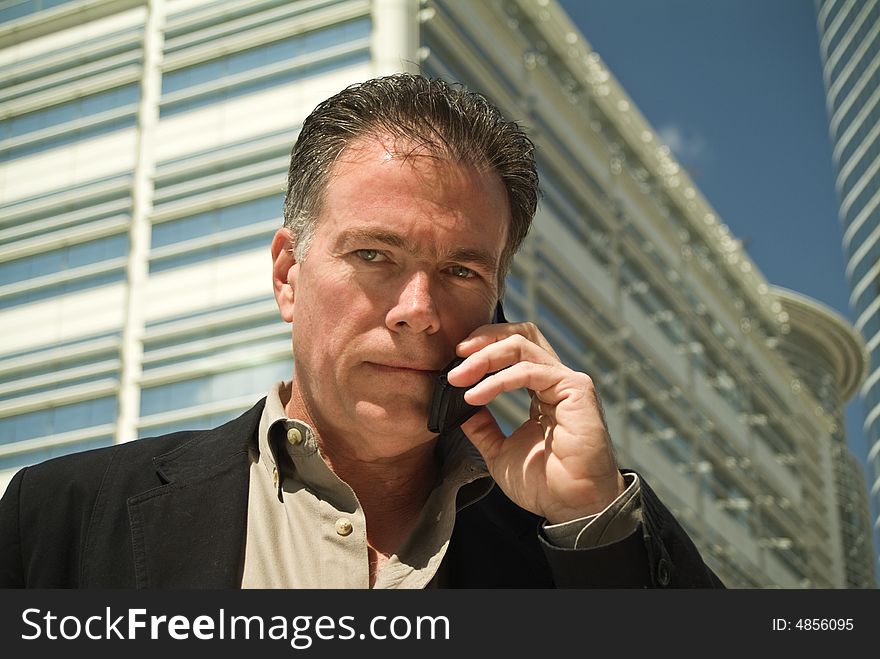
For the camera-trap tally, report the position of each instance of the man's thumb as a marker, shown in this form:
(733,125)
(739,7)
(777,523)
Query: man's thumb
(484,433)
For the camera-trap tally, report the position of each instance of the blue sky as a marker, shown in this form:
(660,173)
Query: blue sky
(735,88)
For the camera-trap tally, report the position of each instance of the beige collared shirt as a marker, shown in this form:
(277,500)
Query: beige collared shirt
(306,528)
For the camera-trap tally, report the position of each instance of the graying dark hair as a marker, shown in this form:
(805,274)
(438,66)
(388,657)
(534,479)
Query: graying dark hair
(428,113)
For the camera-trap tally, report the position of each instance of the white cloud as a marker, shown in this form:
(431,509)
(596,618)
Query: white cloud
(688,146)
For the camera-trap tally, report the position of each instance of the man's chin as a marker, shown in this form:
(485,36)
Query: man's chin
(399,417)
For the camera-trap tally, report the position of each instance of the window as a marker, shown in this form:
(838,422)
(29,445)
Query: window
(254,380)
(58,419)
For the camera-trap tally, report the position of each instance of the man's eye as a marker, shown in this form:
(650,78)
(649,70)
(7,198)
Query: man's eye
(369,255)
(462,272)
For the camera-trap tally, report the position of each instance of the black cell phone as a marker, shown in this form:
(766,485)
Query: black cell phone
(448,407)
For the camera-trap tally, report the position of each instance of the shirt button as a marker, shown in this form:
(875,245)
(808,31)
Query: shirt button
(343,526)
(294,436)
(275,477)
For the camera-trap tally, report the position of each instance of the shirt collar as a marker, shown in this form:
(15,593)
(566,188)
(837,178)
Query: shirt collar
(291,444)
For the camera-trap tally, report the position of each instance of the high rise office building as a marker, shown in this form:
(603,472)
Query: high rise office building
(829,358)
(144,149)
(849,40)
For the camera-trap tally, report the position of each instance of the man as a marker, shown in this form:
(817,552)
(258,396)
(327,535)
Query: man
(407,199)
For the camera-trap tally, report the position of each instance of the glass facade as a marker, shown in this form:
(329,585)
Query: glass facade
(850,48)
(63,399)
(199,332)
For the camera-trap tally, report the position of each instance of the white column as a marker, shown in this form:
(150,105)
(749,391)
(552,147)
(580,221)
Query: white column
(395,38)
(137,269)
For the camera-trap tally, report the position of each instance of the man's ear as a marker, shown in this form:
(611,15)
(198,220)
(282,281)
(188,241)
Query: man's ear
(284,272)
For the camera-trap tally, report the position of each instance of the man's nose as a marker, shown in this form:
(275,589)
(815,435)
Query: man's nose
(414,309)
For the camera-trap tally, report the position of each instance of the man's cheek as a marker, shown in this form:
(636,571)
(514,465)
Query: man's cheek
(462,324)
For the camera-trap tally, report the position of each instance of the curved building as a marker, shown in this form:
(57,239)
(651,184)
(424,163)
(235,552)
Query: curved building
(849,40)
(830,360)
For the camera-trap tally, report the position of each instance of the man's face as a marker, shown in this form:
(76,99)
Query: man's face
(402,266)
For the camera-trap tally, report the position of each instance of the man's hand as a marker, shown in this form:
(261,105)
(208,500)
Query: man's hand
(559,464)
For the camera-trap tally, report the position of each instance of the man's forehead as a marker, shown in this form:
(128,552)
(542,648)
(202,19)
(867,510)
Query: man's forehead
(359,167)
(437,165)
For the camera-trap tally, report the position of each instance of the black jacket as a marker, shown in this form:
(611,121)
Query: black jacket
(170,512)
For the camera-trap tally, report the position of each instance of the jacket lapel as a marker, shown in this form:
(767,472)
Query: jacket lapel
(190,532)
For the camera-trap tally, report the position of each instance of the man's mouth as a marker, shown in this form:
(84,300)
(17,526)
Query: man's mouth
(405,368)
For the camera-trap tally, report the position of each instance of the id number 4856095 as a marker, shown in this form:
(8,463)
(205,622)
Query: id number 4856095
(813,624)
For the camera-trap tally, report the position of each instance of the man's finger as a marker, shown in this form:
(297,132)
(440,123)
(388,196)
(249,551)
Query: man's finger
(484,433)
(496,356)
(547,381)
(488,334)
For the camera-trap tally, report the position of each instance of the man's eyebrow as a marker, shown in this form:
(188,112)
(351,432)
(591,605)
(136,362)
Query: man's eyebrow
(372,236)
